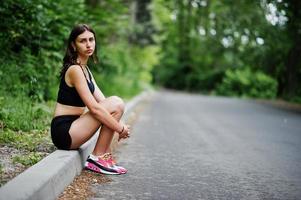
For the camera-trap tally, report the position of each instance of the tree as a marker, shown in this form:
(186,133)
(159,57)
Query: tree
(293,64)
(141,23)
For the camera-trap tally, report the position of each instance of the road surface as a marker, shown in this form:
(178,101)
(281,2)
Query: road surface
(186,146)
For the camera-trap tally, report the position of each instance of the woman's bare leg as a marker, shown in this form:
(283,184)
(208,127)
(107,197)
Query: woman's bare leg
(105,136)
(85,127)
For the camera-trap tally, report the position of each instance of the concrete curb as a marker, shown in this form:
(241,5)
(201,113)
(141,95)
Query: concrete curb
(48,178)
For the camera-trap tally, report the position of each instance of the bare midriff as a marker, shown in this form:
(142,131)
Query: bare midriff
(61,109)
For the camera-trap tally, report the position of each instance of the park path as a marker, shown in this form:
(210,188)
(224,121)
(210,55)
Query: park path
(187,146)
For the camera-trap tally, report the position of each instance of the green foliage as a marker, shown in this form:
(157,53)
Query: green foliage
(200,40)
(125,70)
(29,159)
(21,113)
(110,19)
(33,42)
(245,83)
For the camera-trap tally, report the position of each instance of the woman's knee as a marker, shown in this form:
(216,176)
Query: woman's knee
(117,103)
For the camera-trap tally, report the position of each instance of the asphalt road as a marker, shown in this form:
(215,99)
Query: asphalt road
(187,146)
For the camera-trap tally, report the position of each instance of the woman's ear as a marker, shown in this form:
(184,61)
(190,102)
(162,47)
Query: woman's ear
(73,46)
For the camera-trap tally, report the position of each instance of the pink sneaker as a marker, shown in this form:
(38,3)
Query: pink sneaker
(101,165)
(92,167)
(109,158)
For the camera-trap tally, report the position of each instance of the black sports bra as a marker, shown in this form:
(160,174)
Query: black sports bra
(69,96)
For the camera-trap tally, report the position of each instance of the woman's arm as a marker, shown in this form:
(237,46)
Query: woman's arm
(78,80)
(98,95)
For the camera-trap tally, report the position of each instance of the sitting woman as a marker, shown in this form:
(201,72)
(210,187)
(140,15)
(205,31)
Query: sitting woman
(72,124)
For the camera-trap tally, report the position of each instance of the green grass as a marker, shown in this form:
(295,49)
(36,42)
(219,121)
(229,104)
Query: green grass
(28,159)
(21,113)
(24,125)
(35,140)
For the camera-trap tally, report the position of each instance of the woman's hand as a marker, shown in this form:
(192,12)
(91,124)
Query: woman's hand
(125,133)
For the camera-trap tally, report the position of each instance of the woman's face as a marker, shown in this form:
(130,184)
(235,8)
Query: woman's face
(85,44)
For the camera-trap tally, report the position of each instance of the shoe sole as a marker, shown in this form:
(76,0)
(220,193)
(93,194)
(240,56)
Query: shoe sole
(94,168)
(120,169)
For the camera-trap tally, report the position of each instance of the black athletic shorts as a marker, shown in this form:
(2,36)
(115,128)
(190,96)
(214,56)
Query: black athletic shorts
(60,126)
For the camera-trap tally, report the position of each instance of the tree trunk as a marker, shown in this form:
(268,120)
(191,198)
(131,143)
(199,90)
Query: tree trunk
(292,66)
(184,27)
(294,55)
(141,21)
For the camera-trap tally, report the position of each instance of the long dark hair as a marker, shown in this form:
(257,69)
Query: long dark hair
(70,57)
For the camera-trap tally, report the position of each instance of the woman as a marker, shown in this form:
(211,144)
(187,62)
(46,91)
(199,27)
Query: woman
(72,126)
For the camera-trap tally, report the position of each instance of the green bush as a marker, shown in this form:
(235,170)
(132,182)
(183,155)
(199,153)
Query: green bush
(245,83)
(204,81)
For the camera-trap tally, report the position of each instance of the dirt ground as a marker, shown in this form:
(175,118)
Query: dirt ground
(9,169)
(80,188)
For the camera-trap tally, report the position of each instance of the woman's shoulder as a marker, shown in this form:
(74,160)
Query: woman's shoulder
(74,67)
(74,72)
